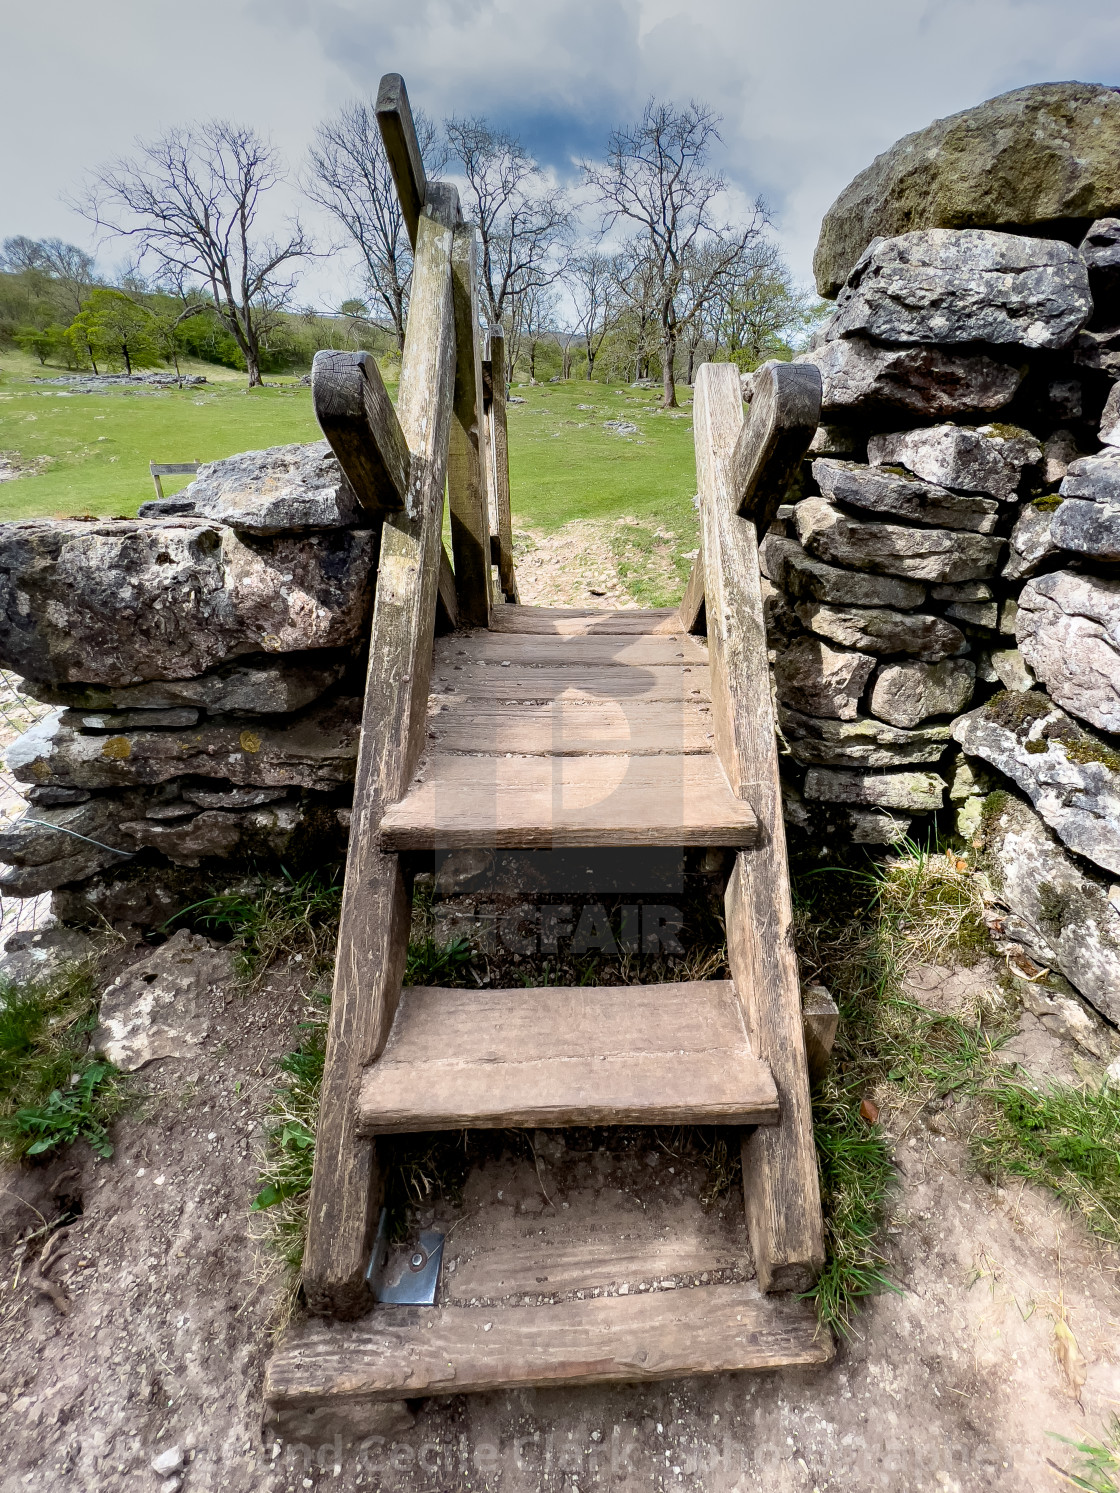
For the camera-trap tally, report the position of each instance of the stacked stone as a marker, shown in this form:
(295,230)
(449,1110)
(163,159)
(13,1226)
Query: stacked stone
(950,577)
(204,660)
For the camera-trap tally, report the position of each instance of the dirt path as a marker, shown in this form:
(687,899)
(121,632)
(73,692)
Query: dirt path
(959,1382)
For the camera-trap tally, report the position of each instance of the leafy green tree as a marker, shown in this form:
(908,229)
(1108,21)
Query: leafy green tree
(42,341)
(116,327)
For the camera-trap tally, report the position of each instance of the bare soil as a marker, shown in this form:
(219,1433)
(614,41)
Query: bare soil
(1004,1332)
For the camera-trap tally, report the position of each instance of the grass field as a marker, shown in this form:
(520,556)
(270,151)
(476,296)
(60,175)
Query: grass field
(93,450)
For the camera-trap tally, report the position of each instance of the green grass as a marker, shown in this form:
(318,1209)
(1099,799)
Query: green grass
(262,919)
(52,1091)
(564,464)
(97,446)
(1098,1469)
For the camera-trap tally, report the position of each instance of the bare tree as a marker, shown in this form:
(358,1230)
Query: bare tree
(535,311)
(349,175)
(190,201)
(657,176)
(594,294)
(522,221)
(70,269)
(637,281)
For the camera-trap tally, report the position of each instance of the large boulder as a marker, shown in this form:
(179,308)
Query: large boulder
(987,459)
(1061,913)
(892,549)
(120,602)
(864,380)
(895,493)
(281,490)
(1068,631)
(1046,156)
(971,285)
(1070,776)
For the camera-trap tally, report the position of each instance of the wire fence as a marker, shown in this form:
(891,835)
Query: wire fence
(17,713)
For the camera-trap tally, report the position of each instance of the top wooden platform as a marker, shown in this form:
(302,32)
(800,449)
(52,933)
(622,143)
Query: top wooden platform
(569,728)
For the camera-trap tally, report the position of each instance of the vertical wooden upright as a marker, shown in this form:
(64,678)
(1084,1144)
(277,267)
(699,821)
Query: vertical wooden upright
(467,458)
(373,933)
(499,462)
(780,1181)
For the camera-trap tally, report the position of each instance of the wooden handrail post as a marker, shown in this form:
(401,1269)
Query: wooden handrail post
(499,462)
(394,119)
(373,931)
(357,417)
(466,484)
(780,1181)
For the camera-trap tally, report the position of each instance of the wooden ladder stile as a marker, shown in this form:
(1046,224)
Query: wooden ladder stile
(780,1179)
(497,374)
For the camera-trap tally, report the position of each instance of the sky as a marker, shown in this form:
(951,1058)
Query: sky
(809,90)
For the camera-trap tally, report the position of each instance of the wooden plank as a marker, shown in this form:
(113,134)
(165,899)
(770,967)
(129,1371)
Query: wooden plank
(784,411)
(674,1054)
(394,118)
(820,1020)
(398,1352)
(357,417)
(373,934)
(590,682)
(779,1163)
(642,651)
(447,602)
(563,621)
(532,803)
(499,462)
(691,610)
(545,1268)
(564,727)
(467,455)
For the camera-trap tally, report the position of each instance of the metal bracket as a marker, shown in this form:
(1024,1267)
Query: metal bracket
(411,1276)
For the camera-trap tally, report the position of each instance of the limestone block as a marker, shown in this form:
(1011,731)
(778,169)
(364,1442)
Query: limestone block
(1068,631)
(952,286)
(119,603)
(285,489)
(805,579)
(1070,776)
(819,680)
(891,549)
(906,693)
(879,630)
(861,742)
(988,459)
(895,492)
(1031,542)
(865,379)
(889,790)
(262,685)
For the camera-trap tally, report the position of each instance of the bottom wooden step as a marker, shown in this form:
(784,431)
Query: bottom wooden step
(409,1352)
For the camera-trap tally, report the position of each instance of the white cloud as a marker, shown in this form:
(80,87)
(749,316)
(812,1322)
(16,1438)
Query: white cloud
(810,90)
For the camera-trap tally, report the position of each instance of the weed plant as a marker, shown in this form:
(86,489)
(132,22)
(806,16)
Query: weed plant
(52,1090)
(294,916)
(1098,1469)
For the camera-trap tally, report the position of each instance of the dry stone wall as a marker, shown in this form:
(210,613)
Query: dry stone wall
(944,587)
(205,664)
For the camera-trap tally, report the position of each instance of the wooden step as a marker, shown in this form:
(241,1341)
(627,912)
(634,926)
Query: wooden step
(674,1054)
(399,1352)
(647,651)
(532,803)
(566,727)
(586,681)
(561,621)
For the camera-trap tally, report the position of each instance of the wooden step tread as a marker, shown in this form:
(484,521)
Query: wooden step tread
(552,802)
(566,727)
(618,650)
(561,621)
(399,1352)
(674,1054)
(573,679)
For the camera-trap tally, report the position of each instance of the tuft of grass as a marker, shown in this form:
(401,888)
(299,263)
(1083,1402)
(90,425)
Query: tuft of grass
(431,962)
(296,916)
(930,908)
(1099,1467)
(52,1090)
(1062,1138)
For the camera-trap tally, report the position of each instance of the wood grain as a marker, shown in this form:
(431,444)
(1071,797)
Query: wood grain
(467,454)
(399,1352)
(784,411)
(576,621)
(586,681)
(779,1162)
(565,727)
(447,601)
(373,932)
(357,417)
(690,613)
(645,651)
(585,1055)
(460,802)
(499,462)
(398,133)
